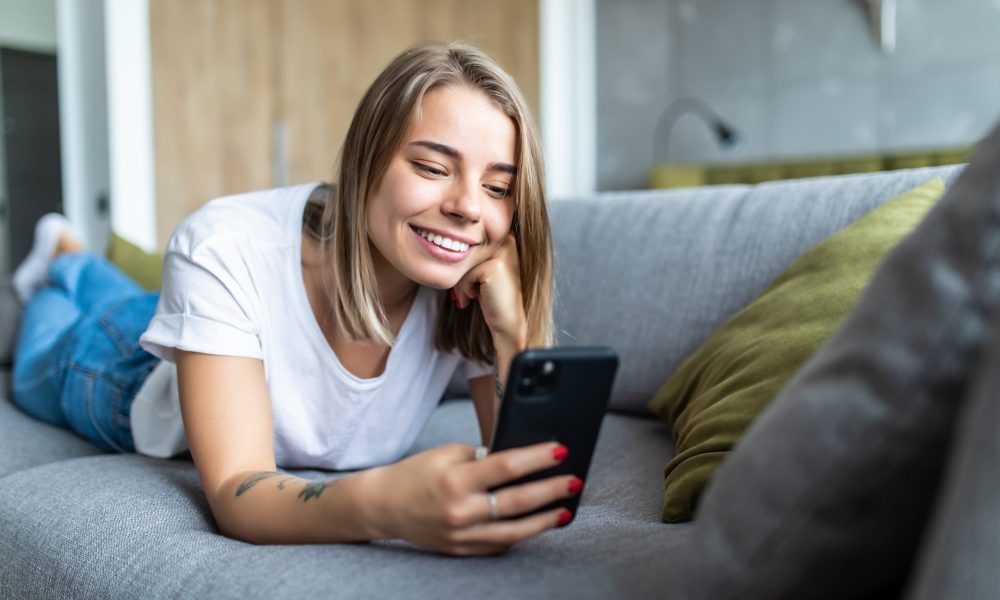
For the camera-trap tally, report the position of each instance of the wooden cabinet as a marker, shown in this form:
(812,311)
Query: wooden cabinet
(249,94)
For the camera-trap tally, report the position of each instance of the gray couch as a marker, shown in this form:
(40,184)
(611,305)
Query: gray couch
(650,273)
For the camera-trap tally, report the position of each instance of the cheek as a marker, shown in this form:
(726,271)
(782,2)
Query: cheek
(409,193)
(378,216)
(499,221)
(401,195)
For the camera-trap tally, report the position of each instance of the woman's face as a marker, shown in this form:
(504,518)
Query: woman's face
(446,201)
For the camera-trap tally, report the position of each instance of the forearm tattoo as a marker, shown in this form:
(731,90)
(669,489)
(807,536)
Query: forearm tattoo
(254,480)
(312,489)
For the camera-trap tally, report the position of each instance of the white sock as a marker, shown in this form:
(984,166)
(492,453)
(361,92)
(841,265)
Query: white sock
(32,274)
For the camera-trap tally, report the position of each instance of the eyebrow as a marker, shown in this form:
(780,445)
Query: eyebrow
(454,153)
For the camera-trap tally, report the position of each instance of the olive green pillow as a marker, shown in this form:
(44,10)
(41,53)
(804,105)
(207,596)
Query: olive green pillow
(145,268)
(718,391)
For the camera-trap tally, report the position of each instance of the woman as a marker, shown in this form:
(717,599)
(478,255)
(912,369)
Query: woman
(316,326)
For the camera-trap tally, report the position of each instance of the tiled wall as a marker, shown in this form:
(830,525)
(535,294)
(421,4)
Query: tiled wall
(797,78)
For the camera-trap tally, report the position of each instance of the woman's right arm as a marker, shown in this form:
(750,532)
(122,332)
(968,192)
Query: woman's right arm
(227,419)
(435,498)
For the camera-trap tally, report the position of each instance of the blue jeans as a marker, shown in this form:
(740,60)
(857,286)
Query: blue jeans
(77,363)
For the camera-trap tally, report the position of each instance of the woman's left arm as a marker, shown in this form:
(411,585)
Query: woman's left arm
(496,285)
(484,398)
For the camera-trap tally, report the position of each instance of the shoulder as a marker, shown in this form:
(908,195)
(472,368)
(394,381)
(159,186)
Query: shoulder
(254,218)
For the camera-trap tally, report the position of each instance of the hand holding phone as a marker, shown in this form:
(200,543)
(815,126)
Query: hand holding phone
(561,395)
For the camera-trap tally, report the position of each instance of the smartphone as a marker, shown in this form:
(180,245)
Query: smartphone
(556,395)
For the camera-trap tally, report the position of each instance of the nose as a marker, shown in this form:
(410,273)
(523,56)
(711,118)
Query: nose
(463,201)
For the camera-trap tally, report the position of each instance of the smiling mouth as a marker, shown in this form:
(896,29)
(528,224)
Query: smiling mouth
(441,241)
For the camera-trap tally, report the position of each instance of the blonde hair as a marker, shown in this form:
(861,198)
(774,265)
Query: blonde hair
(376,132)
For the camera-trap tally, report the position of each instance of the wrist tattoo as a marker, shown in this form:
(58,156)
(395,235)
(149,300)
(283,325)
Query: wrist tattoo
(254,480)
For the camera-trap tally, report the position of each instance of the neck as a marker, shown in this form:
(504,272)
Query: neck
(394,290)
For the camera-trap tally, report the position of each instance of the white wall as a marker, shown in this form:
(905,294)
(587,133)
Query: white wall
(28,24)
(568,90)
(130,121)
(106,109)
(83,116)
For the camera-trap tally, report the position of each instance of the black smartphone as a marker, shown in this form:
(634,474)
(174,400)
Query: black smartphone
(556,395)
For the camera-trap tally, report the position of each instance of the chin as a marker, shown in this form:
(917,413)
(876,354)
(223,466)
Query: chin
(439,284)
(437,280)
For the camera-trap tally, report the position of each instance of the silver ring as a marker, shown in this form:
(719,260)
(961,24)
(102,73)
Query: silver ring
(481,452)
(491,499)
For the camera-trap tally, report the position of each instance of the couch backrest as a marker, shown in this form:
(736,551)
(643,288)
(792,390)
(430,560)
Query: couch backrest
(654,273)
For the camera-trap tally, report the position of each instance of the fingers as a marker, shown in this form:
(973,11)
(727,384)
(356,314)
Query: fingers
(524,498)
(505,259)
(508,465)
(463,297)
(467,288)
(463,521)
(497,537)
(471,479)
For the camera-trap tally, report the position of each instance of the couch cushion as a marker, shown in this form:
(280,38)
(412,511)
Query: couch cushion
(127,526)
(721,388)
(687,260)
(28,442)
(828,493)
(145,268)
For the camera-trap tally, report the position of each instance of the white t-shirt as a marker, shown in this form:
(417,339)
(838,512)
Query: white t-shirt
(232,285)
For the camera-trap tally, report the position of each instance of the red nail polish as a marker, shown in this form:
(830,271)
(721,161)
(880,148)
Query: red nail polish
(454,296)
(575,485)
(560,452)
(565,518)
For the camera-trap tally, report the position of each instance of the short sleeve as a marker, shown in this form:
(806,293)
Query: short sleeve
(472,369)
(208,302)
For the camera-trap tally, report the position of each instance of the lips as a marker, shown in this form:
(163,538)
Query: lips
(433,243)
(442,241)
(449,243)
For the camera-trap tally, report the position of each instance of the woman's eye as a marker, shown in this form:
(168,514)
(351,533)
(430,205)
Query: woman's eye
(499,192)
(428,169)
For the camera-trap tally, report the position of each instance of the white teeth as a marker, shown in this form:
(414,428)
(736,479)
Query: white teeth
(437,240)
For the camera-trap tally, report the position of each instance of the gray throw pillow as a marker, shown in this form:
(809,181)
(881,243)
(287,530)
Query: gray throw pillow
(959,555)
(828,493)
